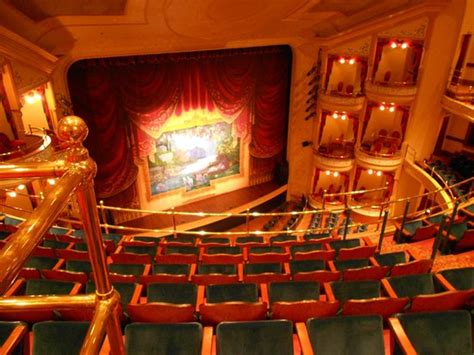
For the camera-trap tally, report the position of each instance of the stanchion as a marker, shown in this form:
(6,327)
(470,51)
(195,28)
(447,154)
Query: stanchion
(104,219)
(450,225)
(404,218)
(346,226)
(382,231)
(438,238)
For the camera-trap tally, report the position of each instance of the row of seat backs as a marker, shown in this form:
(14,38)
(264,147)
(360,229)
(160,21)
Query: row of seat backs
(427,333)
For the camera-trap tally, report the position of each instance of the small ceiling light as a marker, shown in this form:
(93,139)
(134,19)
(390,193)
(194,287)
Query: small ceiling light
(32,97)
(382,108)
(11,194)
(370,171)
(379,173)
(21,187)
(335,115)
(392,109)
(343,117)
(404,45)
(328,172)
(52,181)
(393,44)
(336,174)
(352,61)
(342,60)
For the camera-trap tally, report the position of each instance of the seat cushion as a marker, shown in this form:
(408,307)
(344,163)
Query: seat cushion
(6,329)
(349,243)
(347,335)
(306,266)
(163,339)
(342,265)
(232,293)
(357,290)
(127,269)
(224,250)
(412,285)
(41,262)
(273,337)
(391,259)
(438,332)
(171,269)
(179,293)
(58,338)
(293,291)
(224,269)
(461,279)
(255,269)
(48,287)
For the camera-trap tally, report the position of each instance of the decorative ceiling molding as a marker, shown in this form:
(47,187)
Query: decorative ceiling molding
(14,47)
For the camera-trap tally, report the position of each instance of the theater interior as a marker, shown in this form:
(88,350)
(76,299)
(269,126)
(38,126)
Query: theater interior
(236,177)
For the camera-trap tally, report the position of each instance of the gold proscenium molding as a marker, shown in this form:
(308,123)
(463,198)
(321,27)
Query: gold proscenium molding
(76,173)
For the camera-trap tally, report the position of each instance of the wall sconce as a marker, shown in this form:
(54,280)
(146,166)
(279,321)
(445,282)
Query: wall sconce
(305,144)
(376,172)
(349,60)
(333,173)
(390,107)
(396,43)
(32,97)
(342,115)
(11,194)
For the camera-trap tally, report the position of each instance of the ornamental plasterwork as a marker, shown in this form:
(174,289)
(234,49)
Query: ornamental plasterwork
(359,48)
(341,103)
(333,163)
(413,30)
(26,78)
(372,161)
(397,94)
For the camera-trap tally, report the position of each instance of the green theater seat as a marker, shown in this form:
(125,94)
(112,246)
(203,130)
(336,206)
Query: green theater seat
(59,338)
(12,336)
(293,291)
(271,337)
(412,285)
(179,293)
(232,293)
(163,339)
(460,279)
(391,259)
(353,290)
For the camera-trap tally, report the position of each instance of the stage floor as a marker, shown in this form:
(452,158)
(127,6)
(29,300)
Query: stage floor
(231,201)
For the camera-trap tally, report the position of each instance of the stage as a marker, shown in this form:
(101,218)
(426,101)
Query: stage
(261,198)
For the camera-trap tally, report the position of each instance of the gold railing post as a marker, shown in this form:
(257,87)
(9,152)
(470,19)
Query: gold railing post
(173,215)
(247,221)
(73,130)
(104,219)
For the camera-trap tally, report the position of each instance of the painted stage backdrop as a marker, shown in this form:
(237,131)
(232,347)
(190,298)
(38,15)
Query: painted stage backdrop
(193,157)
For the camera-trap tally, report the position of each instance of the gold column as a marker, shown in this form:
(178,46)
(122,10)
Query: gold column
(73,130)
(22,243)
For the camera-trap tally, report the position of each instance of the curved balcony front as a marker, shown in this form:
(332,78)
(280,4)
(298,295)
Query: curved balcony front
(398,93)
(381,160)
(341,102)
(334,156)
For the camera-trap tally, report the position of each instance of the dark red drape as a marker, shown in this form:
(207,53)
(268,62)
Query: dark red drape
(316,179)
(113,95)
(368,112)
(417,54)
(329,66)
(363,73)
(378,54)
(405,117)
(355,126)
(357,177)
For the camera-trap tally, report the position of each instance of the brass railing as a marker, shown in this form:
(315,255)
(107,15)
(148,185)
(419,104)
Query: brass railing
(76,172)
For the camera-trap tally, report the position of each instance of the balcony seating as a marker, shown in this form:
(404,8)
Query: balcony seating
(58,338)
(391,259)
(250,241)
(141,248)
(34,288)
(129,294)
(174,273)
(166,303)
(461,238)
(312,270)
(421,290)
(311,252)
(318,237)
(34,265)
(433,333)
(146,239)
(177,254)
(337,245)
(58,230)
(265,254)
(456,279)
(55,244)
(232,302)
(12,337)
(273,337)
(127,272)
(415,231)
(345,335)
(75,271)
(352,290)
(181,240)
(298,301)
(214,242)
(208,274)
(222,255)
(422,266)
(283,240)
(163,339)
(264,272)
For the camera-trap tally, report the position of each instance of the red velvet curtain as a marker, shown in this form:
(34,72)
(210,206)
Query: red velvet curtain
(316,179)
(331,60)
(357,177)
(418,52)
(378,54)
(130,98)
(363,73)
(355,126)
(405,117)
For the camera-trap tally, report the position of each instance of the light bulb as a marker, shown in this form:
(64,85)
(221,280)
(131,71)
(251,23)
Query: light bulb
(52,181)
(328,172)
(382,108)
(351,61)
(335,115)
(336,174)
(392,109)
(379,173)
(21,187)
(393,45)
(370,171)
(342,60)
(11,194)
(404,45)
(343,117)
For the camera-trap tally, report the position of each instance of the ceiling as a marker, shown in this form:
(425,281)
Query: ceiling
(91,27)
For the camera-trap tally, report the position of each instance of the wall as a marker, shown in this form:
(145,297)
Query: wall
(391,121)
(4,125)
(33,115)
(346,73)
(457,129)
(333,129)
(393,60)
